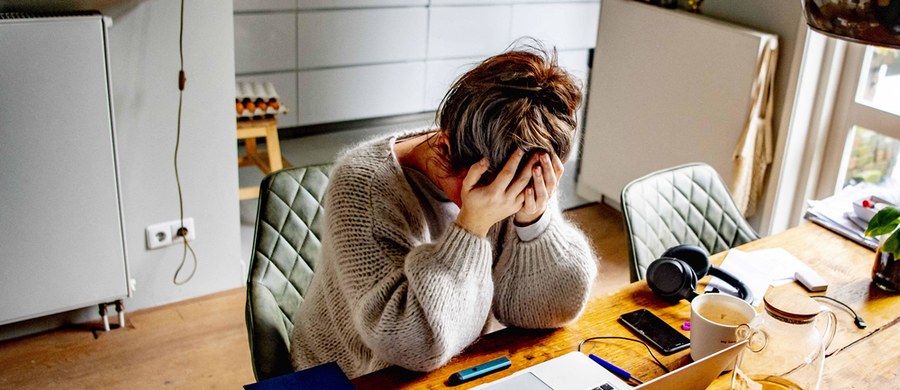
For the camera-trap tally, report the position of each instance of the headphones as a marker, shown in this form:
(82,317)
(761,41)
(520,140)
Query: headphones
(674,275)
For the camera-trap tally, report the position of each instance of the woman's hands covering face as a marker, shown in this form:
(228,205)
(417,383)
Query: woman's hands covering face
(546,170)
(508,194)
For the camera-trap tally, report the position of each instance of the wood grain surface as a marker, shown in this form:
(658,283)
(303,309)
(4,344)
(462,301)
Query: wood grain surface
(195,344)
(845,265)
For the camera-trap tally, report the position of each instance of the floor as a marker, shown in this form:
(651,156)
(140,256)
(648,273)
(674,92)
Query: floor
(195,344)
(202,343)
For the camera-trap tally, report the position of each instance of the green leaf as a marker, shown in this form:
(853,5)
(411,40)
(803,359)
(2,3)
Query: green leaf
(884,222)
(892,244)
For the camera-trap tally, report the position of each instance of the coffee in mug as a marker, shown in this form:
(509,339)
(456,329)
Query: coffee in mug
(714,321)
(722,314)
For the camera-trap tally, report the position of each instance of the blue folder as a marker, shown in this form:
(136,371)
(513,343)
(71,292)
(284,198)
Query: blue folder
(326,376)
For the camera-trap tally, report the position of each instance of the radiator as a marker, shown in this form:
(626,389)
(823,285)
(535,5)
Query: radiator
(61,223)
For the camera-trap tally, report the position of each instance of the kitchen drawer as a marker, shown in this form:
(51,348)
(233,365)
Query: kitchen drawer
(470,2)
(264,5)
(264,42)
(367,36)
(440,75)
(491,2)
(320,4)
(468,31)
(565,25)
(357,92)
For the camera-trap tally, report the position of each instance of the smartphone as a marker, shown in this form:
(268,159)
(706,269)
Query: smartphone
(655,331)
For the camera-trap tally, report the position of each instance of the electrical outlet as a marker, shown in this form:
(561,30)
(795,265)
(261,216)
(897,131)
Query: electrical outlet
(166,233)
(159,235)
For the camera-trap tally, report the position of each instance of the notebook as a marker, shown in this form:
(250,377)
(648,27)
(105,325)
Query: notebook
(576,371)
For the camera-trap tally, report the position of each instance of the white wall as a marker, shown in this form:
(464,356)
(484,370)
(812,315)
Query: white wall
(783,18)
(144,65)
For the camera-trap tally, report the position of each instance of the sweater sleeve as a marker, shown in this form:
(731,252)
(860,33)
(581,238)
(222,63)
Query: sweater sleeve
(414,304)
(545,282)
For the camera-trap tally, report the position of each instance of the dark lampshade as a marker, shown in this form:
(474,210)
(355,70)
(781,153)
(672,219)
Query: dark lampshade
(871,22)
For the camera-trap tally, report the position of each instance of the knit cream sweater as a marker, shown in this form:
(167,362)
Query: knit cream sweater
(390,290)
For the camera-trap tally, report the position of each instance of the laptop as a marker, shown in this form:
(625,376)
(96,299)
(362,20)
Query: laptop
(576,371)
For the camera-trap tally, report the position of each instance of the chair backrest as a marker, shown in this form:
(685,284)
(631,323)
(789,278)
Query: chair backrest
(286,251)
(687,204)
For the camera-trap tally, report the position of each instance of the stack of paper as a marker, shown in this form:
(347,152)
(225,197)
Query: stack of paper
(836,212)
(758,270)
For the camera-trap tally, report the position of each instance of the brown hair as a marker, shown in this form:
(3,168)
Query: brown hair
(517,99)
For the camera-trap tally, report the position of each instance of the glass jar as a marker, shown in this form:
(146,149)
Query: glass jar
(785,348)
(886,271)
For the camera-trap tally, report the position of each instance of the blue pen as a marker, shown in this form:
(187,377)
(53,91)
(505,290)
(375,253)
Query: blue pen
(615,370)
(480,370)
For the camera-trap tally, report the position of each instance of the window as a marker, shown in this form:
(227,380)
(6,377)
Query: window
(864,141)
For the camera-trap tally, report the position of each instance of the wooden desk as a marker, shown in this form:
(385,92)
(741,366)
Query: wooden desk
(865,358)
(268,161)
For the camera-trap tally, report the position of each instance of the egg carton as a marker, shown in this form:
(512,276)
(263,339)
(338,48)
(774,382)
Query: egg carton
(256,100)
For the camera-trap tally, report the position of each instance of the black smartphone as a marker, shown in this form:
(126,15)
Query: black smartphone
(655,331)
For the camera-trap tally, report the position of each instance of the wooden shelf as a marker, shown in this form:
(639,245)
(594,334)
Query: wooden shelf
(268,161)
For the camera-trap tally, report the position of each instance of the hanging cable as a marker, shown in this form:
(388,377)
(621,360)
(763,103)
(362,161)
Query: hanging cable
(182,231)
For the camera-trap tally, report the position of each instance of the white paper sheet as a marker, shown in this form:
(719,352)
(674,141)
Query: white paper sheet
(758,270)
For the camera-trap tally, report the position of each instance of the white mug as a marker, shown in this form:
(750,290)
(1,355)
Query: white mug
(714,320)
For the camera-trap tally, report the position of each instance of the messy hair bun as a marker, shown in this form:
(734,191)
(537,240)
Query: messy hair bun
(517,99)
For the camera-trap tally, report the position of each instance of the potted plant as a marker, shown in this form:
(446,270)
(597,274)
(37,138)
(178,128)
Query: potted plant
(886,272)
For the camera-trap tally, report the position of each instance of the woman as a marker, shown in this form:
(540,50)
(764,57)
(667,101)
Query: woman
(428,234)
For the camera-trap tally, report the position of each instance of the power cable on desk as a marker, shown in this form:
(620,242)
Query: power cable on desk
(182,231)
(860,323)
(659,363)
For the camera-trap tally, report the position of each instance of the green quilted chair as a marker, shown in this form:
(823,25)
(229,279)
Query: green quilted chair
(285,254)
(687,204)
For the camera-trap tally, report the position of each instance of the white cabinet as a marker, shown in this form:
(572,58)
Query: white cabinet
(456,32)
(320,4)
(60,213)
(264,5)
(346,93)
(357,59)
(564,25)
(265,42)
(470,2)
(440,75)
(370,36)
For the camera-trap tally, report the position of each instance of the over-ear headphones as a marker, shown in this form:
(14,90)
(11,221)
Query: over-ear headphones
(674,275)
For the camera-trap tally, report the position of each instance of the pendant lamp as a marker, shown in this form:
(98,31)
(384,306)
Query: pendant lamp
(870,22)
